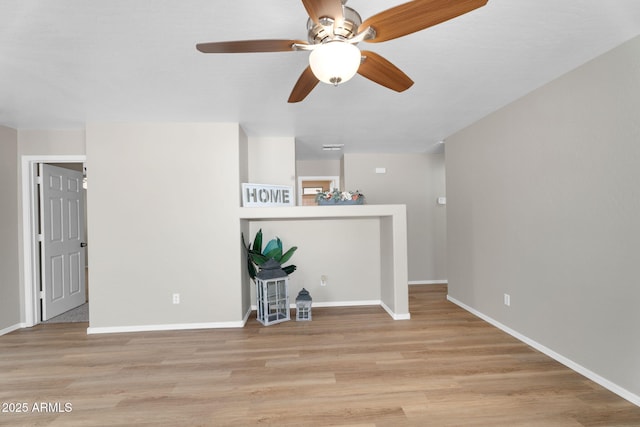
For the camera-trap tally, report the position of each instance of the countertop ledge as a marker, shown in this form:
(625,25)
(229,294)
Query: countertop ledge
(345,211)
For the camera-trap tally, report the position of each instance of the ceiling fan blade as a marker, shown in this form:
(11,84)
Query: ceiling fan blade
(377,69)
(416,15)
(304,85)
(244,46)
(324,8)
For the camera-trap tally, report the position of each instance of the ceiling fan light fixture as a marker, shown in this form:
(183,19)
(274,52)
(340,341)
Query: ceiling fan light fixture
(335,62)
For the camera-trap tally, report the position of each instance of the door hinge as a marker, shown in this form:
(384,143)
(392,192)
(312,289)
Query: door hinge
(39,180)
(40,237)
(41,294)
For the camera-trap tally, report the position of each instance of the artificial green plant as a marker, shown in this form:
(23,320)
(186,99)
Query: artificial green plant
(256,256)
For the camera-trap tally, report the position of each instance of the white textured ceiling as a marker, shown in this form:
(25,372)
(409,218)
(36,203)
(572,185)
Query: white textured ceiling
(64,63)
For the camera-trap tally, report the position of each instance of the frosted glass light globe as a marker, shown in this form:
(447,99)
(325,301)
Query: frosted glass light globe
(335,62)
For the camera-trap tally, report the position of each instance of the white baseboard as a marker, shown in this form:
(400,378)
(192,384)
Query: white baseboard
(620,391)
(169,327)
(346,303)
(428,282)
(245,319)
(334,304)
(395,316)
(12,328)
(238,324)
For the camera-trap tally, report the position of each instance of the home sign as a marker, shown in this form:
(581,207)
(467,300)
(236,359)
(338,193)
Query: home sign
(264,195)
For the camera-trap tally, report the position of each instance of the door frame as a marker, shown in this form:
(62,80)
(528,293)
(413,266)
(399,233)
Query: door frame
(335,183)
(31,256)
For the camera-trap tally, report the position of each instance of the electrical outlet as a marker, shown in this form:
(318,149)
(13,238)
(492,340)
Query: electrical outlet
(323,280)
(507,300)
(176,298)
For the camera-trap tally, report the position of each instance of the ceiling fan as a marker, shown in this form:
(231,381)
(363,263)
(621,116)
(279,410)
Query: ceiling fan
(334,30)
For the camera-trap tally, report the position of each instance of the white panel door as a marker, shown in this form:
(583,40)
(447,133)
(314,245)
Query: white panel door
(63,253)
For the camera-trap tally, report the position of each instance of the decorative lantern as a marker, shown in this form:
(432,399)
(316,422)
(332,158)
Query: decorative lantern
(272,292)
(303,305)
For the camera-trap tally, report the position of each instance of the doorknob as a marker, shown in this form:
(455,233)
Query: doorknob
(83,245)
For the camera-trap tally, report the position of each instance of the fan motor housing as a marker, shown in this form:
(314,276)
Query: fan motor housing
(328,29)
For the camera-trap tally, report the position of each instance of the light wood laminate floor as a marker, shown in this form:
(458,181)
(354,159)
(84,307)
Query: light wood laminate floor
(349,366)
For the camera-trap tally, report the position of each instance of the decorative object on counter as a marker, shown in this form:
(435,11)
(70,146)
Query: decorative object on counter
(272,280)
(266,195)
(337,197)
(303,305)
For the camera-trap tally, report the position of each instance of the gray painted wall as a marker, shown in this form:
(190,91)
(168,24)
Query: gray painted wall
(346,251)
(9,272)
(416,180)
(544,204)
(329,167)
(58,142)
(331,248)
(163,215)
(244,224)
